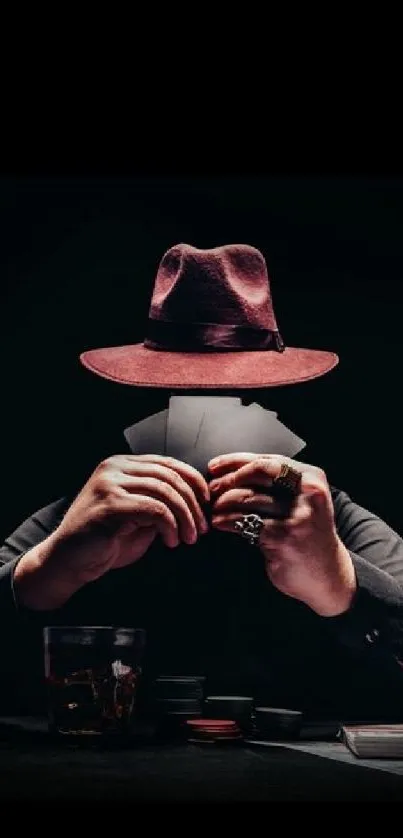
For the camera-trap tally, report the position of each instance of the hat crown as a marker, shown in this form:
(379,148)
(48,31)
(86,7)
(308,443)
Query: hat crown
(226,285)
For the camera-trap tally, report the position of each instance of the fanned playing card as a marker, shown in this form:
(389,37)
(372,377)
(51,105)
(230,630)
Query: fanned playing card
(184,418)
(149,435)
(225,417)
(202,427)
(249,428)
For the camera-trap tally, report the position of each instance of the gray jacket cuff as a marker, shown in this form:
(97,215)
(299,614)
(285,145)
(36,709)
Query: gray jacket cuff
(8,601)
(375,619)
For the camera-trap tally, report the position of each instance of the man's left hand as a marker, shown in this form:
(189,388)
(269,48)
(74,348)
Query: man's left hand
(304,556)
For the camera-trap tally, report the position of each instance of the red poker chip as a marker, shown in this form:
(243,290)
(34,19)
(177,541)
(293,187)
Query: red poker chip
(216,737)
(214,731)
(213,724)
(224,740)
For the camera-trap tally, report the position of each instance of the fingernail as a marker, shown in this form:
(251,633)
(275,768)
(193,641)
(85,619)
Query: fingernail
(204,526)
(191,539)
(213,485)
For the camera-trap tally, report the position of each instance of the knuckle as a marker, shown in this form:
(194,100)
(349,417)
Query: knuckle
(172,463)
(114,497)
(168,491)
(152,504)
(159,510)
(103,486)
(321,492)
(108,489)
(260,465)
(109,463)
(173,485)
(306,515)
(154,484)
(313,483)
(114,504)
(110,505)
(178,483)
(319,472)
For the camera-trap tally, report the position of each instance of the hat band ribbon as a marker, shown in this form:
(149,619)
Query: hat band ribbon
(210,337)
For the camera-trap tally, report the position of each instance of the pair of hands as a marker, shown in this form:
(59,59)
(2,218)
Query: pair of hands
(130,499)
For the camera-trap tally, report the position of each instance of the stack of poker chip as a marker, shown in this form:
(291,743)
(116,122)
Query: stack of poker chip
(213,731)
(236,708)
(276,723)
(177,699)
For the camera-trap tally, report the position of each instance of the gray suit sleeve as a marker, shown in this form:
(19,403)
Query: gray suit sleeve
(22,686)
(31,532)
(374,623)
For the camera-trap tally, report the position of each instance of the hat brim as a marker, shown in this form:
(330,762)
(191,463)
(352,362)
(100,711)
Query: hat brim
(139,366)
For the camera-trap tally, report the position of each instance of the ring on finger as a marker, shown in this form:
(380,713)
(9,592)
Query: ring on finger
(250,528)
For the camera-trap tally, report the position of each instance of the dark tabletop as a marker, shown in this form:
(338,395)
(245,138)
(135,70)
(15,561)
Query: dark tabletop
(34,768)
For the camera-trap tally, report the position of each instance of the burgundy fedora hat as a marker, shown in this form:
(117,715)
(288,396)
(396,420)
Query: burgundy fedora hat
(211,325)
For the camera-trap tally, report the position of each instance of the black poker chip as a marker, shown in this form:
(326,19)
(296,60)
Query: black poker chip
(237,701)
(276,723)
(229,706)
(178,687)
(236,707)
(199,679)
(166,706)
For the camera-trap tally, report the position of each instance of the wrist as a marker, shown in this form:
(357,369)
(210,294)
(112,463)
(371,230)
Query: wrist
(341,588)
(40,581)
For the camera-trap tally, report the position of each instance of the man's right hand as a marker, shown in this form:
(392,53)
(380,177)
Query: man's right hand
(125,504)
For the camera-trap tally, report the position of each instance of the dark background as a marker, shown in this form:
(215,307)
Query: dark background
(78,258)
